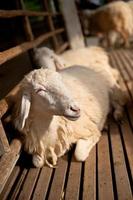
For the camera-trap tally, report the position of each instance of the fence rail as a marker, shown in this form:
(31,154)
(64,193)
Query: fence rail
(21,13)
(17,50)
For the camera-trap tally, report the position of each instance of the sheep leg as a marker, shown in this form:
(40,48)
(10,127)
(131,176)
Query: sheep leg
(84,146)
(124,34)
(102,42)
(118,112)
(108,41)
(53,156)
(117,101)
(125,38)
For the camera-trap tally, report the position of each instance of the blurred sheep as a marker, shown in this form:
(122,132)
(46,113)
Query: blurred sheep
(112,19)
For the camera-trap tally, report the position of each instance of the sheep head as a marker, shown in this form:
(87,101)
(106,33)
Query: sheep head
(44,88)
(46,58)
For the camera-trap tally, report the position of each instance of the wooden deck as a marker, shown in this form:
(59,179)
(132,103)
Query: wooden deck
(107,173)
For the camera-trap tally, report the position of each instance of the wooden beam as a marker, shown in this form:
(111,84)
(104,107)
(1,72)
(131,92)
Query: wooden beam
(1,148)
(7,102)
(62,48)
(72,22)
(8,161)
(3,139)
(3,107)
(26,24)
(28,32)
(17,50)
(20,13)
(51,24)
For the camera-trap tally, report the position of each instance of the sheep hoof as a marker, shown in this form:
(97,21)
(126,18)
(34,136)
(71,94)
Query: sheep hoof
(80,156)
(51,160)
(38,161)
(118,115)
(82,150)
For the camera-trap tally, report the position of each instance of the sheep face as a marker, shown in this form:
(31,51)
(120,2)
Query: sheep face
(46,58)
(51,95)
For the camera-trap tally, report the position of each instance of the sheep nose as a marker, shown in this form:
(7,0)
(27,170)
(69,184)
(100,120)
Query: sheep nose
(75,108)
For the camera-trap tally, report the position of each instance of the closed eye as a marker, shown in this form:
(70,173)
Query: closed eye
(40,90)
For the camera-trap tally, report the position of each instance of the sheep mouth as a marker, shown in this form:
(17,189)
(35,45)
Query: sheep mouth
(72,118)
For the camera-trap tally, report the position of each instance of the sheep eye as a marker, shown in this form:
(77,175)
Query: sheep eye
(40,90)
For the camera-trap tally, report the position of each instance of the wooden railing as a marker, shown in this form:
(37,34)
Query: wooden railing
(21,13)
(17,50)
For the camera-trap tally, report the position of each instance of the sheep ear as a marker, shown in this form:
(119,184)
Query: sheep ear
(58,63)
(24,109)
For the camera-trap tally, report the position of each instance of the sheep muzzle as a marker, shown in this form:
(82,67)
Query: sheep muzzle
(72,113)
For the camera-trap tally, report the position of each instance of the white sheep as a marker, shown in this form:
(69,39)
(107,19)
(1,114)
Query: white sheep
(115,17)
(46,58)
(47,106)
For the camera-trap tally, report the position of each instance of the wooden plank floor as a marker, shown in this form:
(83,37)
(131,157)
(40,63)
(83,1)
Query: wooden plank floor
(107,173)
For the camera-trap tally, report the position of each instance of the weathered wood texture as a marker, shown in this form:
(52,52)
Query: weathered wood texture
(72,23)
(7,162)
(27,31)
(19,13)
(32,41)
(62,48)
(15,51)
(106,174)
(5,148)
(3,107)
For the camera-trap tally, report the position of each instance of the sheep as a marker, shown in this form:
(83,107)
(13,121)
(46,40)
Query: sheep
(45,57)
(113,17)
(115,40)
(54,110)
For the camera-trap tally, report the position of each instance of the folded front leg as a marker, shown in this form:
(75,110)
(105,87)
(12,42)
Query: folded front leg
(84,146)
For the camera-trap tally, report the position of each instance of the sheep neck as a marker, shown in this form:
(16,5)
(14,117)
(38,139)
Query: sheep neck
(45,117)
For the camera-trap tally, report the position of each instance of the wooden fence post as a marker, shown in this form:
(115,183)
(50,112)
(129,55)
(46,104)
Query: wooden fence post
(51,24)
(28,33)
(72,22)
